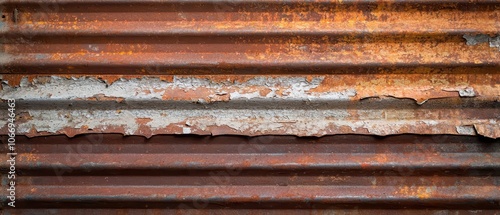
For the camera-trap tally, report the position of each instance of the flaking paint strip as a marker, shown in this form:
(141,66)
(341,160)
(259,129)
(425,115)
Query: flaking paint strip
(294,88)
(493,41)
(205,90)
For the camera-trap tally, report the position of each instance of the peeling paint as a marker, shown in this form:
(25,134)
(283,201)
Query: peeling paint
(186,130)
(493,41)
(466,130)
(207,89)
(154,88)
(467,92)
(462,91)
(258,117)
(253,106)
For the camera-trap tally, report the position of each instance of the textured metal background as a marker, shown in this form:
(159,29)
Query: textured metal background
(333,54)
(86,72)
(336,173)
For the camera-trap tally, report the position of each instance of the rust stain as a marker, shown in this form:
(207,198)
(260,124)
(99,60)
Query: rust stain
(419,192)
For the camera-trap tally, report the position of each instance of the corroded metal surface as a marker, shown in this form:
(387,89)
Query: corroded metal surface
(330,174)
(86,72)
(312,105)
(299,113)
(222,55)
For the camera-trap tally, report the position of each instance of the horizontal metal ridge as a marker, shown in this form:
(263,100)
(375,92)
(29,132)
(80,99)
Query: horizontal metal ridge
(280,172)
(313,194)
(268,161)
(244,28)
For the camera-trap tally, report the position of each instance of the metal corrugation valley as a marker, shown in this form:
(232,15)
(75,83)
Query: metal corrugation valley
(252,106)
(334,173)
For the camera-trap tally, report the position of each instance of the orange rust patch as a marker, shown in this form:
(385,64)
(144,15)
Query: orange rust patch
(419,192)
(143,129)
(143,121)
(305,160)
(29,157)
(382,158)
(15,79)
(264,92)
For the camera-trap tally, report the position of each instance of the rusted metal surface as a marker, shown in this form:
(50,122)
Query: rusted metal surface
(84,73)
(274,55)
(304,117)
(312,105)
(330,174)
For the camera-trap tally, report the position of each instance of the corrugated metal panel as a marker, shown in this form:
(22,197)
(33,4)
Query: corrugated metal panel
(333,173)
(253,67)
(263,51)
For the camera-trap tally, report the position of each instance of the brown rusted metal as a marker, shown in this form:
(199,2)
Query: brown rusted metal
(84,73)
(217,51)
(269,172)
